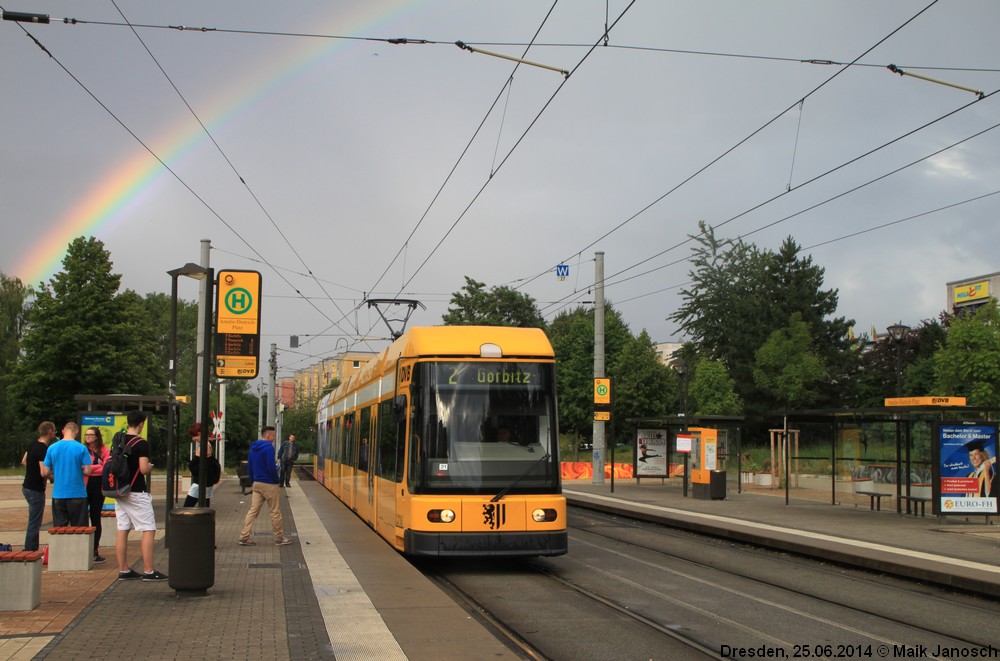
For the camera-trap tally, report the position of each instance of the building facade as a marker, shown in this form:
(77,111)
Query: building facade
(310,381)
(970,293)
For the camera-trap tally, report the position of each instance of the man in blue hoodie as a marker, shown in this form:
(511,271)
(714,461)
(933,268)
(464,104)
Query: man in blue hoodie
(263,472)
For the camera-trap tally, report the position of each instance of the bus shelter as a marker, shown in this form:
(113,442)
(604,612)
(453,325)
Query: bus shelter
(910,458)
(726,433)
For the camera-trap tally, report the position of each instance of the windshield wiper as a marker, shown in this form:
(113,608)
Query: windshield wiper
(503,492)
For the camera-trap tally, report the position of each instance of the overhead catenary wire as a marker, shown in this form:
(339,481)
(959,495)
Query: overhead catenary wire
(822,62)
(38,18)
(732,148)
(611,282)
(230,163)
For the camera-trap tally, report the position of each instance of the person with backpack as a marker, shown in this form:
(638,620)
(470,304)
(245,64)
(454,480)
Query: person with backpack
(134,510)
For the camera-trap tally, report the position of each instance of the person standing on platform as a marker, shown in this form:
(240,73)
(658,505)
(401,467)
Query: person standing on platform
(99,455)
(214,470)
(134,511)
(287,455)
(68,462)
(263,472)
(33,487)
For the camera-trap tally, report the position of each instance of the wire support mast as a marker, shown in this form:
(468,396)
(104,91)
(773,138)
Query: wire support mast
(893,68)
(469,48)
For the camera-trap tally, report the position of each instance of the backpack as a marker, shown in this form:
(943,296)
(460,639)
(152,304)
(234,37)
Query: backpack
(117,479)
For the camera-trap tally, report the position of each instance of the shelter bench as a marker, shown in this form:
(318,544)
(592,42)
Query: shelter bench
(875,499)
(916,500)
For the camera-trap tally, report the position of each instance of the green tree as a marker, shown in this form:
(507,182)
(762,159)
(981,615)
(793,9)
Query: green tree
(572,337)
(15,306)
(740,294)
(787,367)
(643,386)
(301,421)
(876,378)
(713,390)
(83,337)
(241,421)
(969,362)
(499,306)
(157,312)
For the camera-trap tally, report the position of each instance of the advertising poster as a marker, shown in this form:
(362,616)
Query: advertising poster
(968,469)
(651,453)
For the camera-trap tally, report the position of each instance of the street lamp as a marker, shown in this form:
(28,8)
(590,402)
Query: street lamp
(197,272)
(898,332)
(680,366)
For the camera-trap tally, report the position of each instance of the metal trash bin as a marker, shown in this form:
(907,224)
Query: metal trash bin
(192,549)
(717,485)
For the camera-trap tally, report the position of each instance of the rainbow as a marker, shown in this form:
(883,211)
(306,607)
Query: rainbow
(131,182)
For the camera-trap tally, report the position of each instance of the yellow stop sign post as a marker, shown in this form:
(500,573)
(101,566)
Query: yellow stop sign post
(237,324)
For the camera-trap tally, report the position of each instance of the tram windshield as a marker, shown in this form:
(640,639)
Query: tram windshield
(479,427)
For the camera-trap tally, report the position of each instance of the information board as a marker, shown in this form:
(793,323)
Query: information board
(237,324)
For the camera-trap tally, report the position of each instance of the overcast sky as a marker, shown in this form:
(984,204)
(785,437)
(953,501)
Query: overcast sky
(394,170)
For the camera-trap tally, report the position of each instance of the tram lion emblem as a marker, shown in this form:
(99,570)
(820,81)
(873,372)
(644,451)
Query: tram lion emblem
(494,515)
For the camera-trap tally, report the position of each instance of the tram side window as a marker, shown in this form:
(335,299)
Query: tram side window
(324,440)
(388,440)
(336,433)
(350,423)
(364,432)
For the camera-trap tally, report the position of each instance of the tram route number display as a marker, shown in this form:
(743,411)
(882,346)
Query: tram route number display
(514,375)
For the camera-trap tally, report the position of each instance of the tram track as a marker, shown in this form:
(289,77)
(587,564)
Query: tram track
(520,644)
(702,597)
(894,594)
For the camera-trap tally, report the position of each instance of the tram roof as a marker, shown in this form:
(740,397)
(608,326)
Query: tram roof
(468,341)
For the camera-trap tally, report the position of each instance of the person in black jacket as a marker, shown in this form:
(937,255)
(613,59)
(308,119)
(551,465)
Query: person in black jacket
(213,473)
(287,455)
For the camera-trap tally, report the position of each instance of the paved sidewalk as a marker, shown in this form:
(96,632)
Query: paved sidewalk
(231,626)
(338,591)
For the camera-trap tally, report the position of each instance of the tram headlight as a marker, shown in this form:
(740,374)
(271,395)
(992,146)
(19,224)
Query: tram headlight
(542,515)
(441,516)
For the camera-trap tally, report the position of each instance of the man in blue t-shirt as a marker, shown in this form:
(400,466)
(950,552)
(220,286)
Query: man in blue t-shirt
(68,462)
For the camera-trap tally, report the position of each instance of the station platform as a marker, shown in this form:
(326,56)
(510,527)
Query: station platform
(337,592)
(340,592)
(960,551)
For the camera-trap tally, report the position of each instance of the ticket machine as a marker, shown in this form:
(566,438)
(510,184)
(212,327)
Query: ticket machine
(707,480)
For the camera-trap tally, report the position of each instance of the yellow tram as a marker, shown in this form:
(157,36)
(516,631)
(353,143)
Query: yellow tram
(446,443)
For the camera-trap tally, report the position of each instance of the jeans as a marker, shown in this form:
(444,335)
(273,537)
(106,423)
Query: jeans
(287,467)
(36,509)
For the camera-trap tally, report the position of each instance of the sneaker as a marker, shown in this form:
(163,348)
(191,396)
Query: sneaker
(247,542)
(128,575)
(154,576)
(284,542)
(98,559)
